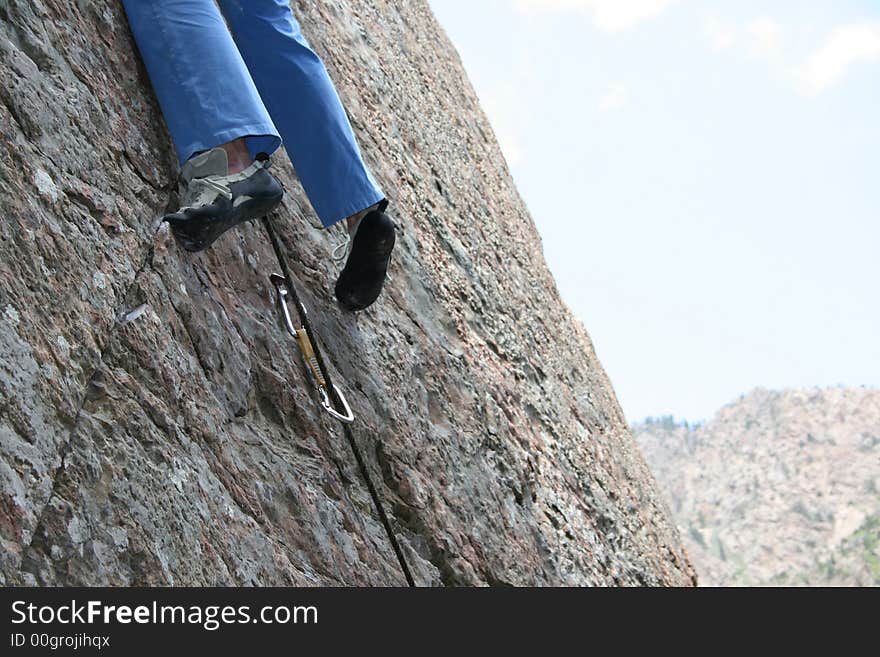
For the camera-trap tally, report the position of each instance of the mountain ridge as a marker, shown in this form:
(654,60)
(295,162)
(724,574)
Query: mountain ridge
(780,487)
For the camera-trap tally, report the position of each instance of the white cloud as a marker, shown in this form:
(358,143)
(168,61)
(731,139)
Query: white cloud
(760,38)
(721,35)
(608,15)
(504,109)
(511,146)
(615,97)
(765,36)
(844,46)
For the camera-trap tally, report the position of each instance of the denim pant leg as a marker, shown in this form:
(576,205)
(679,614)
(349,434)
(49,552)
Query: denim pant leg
(303,103)
(205,91)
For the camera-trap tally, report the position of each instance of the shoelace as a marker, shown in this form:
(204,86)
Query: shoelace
(220,184)
(195,191)
(220,188)
(341,250)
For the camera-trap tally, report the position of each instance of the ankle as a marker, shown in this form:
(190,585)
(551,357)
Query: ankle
(238,155)
(353,221)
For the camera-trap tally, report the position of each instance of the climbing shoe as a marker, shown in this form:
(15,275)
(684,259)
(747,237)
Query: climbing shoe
(369,252)
(214,200)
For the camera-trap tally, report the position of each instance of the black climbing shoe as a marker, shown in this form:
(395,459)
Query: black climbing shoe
(214,200)
(361,280)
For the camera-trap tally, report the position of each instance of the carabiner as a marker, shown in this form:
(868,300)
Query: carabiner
(348,418)
(307,350)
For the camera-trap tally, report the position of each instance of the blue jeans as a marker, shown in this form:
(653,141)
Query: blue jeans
(216,84)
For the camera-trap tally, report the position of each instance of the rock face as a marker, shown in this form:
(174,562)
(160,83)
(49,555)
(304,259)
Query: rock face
(779,488)
(156,423)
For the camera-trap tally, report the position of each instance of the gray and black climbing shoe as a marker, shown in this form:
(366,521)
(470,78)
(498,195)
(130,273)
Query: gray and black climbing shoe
(214,200)
(372,241)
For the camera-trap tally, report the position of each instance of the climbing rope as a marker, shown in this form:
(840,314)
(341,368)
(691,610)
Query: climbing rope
(332,399)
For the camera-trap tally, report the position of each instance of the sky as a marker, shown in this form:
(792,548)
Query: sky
(705,177)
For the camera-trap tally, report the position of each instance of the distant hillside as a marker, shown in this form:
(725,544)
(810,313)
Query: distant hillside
(778,488)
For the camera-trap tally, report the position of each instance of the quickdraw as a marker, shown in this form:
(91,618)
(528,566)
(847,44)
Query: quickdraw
(332,399)
(301,335)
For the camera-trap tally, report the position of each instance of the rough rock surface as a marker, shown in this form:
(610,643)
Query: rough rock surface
(779,488)
(155,423)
